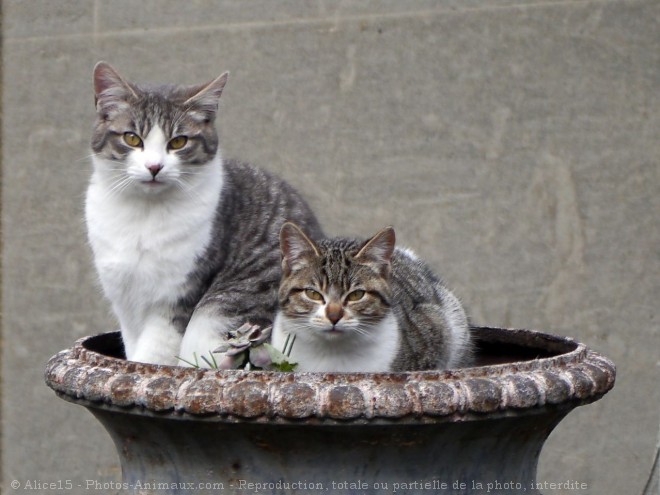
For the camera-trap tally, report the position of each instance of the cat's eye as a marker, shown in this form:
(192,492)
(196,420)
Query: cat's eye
(177,143)
(313,295)
(356,295)
(132,139)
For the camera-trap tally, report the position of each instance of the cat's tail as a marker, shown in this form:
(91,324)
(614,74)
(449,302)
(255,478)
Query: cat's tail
(460,342)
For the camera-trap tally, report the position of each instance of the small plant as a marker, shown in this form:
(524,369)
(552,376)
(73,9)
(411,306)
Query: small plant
(246,348)
(279,361)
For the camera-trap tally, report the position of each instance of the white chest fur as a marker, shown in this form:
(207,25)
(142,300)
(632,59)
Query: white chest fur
(374,352)
(145,246)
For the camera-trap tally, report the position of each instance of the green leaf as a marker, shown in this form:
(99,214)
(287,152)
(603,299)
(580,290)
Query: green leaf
(288,345)
(212,365)
(279,360)
(286,366)
(194,365)
(275,355)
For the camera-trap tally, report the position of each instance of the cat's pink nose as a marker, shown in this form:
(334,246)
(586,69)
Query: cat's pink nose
(154,168)
(334,313)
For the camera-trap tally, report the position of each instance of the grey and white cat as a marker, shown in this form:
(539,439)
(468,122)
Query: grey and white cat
(358,306)
(186,244)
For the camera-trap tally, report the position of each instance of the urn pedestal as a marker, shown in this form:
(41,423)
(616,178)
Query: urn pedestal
(456,432)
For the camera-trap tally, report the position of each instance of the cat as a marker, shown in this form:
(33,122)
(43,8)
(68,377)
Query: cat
(185,243)
(356,306)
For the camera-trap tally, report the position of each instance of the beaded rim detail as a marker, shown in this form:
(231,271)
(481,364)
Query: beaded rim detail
(571,375)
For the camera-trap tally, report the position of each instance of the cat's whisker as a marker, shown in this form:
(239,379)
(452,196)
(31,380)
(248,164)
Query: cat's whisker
(119,186)
(366,331)
(413,325)
(187,189)
(119,162)
(171,227)
(106,160)
(178,120)
(194,173)
(86,158)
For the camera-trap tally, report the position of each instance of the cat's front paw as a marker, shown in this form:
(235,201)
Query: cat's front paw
(158,343)
(204,334)
(164,353)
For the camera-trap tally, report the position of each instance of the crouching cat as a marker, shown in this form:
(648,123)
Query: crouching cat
(185,243)
(365,307)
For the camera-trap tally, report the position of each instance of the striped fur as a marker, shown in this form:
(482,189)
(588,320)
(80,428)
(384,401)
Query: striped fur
(186,244)
(365,306)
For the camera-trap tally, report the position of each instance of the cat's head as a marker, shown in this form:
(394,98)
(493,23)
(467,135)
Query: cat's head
(335,289)
(152,139)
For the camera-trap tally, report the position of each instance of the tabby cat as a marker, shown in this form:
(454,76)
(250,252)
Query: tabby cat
(186,244)
(356,306)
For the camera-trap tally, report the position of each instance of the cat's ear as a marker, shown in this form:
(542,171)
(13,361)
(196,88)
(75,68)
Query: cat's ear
(378,250)
(109,87)
(207,96)
(297,248)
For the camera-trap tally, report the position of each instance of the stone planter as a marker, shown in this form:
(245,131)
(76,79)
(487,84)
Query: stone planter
(454,432)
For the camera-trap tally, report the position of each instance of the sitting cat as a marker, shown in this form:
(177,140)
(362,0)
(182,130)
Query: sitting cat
(186,244)
(365,307)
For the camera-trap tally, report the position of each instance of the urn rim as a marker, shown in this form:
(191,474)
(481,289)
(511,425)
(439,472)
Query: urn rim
(564,374)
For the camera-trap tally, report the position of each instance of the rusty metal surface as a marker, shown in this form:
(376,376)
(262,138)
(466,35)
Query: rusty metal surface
(568,373)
